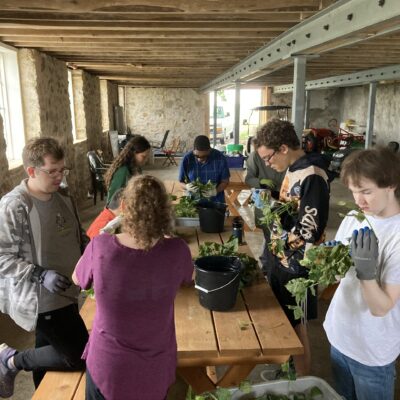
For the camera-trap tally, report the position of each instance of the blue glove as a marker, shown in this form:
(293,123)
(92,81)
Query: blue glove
(364,252)
(53,281)
(256,197)
(331,243)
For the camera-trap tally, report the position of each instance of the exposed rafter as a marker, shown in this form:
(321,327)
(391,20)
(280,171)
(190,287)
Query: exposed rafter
(343,23)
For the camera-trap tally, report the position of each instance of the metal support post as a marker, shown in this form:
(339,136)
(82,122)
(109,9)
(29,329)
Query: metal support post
(237,113)
(298,103)
(307,110)
(215,119)
(371,115)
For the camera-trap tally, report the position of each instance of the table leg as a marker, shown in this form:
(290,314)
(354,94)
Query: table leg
(235,374)
(197,378)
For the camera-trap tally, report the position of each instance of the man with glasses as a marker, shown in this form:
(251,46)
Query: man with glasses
(205,164)
(306,184)
(41,240)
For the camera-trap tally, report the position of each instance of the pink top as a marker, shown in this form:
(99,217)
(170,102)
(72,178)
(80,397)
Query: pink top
(131,353)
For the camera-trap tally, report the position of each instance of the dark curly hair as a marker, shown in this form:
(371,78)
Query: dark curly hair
(275,133)
(147,211)
(380,165)
(138,144)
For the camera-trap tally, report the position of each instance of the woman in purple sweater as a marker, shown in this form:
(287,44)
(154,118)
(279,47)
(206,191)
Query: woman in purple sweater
(131,353)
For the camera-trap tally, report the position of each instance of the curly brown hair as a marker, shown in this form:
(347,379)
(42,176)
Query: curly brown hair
(275,133)
(138,144)
(147,210)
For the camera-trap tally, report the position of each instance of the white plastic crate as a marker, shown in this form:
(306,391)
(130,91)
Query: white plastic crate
(286,387)
(185,221)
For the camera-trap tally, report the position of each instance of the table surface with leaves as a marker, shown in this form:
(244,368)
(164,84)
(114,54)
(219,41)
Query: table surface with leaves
(255,331)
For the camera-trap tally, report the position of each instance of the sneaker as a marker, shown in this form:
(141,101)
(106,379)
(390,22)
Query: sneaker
(7,375)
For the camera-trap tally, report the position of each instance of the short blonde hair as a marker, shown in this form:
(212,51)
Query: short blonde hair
(147,210)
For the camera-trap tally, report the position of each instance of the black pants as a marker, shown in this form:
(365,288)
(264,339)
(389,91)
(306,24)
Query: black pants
(92,391)
(61,337)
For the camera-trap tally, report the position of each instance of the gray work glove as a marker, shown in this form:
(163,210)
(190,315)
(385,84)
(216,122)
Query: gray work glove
(53,281)
(364,252)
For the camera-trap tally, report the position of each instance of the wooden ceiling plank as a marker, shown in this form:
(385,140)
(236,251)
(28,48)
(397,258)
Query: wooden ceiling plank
(139,34)
(148,25)
(270,16)
(193,6)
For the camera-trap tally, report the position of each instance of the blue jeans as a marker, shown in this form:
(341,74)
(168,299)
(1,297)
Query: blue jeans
(356,381)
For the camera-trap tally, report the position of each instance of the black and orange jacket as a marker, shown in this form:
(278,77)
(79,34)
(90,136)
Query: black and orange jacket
(305,183)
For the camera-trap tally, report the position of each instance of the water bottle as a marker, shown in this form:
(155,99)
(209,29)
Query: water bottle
(237,229)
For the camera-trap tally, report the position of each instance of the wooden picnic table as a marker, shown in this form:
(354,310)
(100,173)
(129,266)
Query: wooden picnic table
(255,331)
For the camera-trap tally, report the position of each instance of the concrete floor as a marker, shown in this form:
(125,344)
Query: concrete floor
(18,338)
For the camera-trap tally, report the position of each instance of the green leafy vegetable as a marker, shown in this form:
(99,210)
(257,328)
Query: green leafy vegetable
(269,183)
(89,292)
(203,187)
(325,265)
(186,208)
(230,248)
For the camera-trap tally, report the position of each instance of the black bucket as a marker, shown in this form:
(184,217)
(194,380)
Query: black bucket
(212,216)
(217,280)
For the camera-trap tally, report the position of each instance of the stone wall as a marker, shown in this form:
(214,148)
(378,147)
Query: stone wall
(44,86)
(86,89)
(46,107)
(151,111)
(387,110)
(109,99)
(324,106)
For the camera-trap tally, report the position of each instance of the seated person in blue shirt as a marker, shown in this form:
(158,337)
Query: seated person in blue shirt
(207,164)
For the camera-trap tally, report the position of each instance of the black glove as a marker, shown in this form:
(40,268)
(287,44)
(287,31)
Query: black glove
(364,253)
(53,281)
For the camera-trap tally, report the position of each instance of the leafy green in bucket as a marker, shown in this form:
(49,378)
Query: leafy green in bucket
(230,248)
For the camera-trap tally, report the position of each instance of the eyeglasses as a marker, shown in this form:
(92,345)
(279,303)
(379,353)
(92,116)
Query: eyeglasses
(201,157)
(268,158)
(53,173)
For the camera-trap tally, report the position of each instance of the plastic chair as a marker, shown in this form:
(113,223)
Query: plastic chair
(97,170)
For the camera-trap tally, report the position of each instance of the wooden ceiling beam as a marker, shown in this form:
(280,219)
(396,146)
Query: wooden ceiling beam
(134,41)
(148,26)
(193,6)
(126,47)
(271,16)
(139,34)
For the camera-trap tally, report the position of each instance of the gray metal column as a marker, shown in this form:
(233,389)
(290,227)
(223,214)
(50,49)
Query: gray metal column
(307,110)
(371,115)
(298,101)
(237,114)
(215,119)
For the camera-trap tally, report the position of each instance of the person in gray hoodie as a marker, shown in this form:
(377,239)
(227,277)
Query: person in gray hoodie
(41,240)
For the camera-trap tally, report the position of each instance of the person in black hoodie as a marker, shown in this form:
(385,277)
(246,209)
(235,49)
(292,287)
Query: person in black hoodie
(306,184)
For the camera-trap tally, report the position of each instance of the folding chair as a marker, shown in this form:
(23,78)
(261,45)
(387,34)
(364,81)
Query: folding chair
(171,152)
(160,146)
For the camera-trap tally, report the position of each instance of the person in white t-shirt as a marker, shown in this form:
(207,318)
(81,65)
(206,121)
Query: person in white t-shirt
(363,320)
